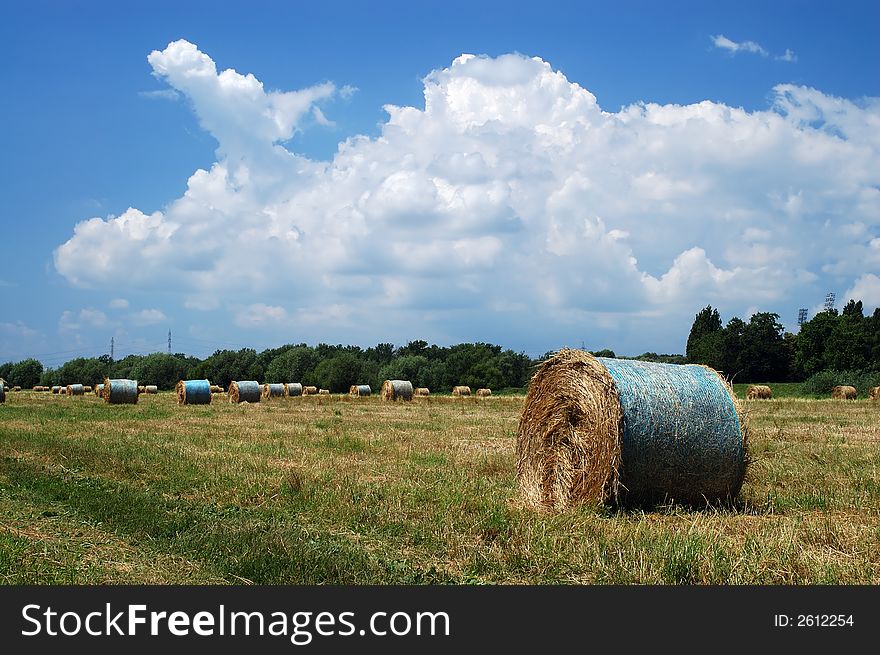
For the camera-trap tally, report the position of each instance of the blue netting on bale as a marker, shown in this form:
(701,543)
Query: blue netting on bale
(360,390)
(293,389)
(681,438)
(2,393)
(75,390)
(273,390)
(121,391)
(247,391)
(194,392)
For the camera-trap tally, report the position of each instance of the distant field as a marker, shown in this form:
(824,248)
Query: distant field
(780,389)
(341,490)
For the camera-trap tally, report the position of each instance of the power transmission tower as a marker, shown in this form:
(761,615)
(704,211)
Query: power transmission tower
(802,315)
(829,301)
(111,348)
(169,342)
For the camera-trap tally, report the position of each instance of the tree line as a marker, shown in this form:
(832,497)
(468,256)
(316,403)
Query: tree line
(828,345)
(326,366)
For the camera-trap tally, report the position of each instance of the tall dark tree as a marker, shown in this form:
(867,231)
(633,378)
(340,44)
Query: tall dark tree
(764,355)
(704,344)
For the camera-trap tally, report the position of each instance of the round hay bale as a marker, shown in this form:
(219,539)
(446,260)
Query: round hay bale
(323,392)
(874,393)
(15,388)
(844,392)
(56,388)
(759,392)
(397,390)
(193,392)
(216,388)
(87,389)
(120,391)
(151,389)
(247,391)
(360,390)
(99,390)
(273,391)
(461,391)
(484,393)
(75,390)
(421,391)
(631,432)
(310,391)
(292,389)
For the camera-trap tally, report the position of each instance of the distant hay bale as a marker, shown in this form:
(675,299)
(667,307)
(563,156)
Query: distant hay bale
(87,389)
(16,388)
(216,388)
(323,392)
(192,392)
(360,390)
(120,391)
(421,391)
(2,393)
(142,389)
(844,392)
(247,391)
(273,391)
(293,389)
(397,390)
(310,391)
(874,393)
(484,393)
(631,432)
(759,392)
(56,388)
(99,390)
(151,389)
(75,390)
(461,390)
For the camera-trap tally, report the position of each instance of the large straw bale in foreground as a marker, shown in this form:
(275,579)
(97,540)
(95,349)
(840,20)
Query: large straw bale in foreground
(844,392)
(759,392)
(596,429)
(397,390)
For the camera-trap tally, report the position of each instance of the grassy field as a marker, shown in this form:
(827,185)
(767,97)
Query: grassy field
(340,490)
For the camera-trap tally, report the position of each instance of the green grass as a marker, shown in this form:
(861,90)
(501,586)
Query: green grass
(342,490)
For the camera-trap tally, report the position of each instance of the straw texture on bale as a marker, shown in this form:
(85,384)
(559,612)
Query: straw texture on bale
(151,389)
(397,390)
(56,388)
(273,391)
(844,392)
(192,392)
(75,390)
(292,389)
(120,391)
(630,432)
(87,389)
(99,390)
(360,390)
(16,388)
(246,391)
(216,388)
(484,393)
(759,392)
(421,391)
(874,393)
(141,389)
(323,392)
(461,390)
(310,391)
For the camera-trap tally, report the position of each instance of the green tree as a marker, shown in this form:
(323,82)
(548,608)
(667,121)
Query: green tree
(705,343)
(849,344)
(293,365)
(338,373)
(731,347)
(161,369)
(763,355)
(811,354)
(25,374)
(82,370)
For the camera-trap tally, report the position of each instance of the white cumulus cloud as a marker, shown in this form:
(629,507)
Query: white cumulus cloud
(724,43)
(511,193)
(148,317)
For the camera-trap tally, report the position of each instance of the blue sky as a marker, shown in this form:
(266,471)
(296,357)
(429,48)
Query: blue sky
(659,157)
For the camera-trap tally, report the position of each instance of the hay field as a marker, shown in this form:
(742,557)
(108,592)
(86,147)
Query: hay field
(357,490)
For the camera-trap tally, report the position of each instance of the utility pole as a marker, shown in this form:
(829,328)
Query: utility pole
(111,349)
(169,342)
